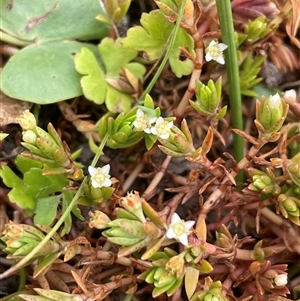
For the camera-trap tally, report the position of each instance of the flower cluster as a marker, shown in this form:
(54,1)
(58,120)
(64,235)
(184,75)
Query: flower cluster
(152,125)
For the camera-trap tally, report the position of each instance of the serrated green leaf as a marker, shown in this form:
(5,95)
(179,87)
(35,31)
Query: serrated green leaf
(151,39)
(93,82)
(116,101)
(115,56)
(46,209)
(17,195)
(39,186)
(24,164)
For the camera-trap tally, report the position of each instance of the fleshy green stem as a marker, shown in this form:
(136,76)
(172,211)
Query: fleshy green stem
(167,55)
(29,256)
(12,40)
(232,67)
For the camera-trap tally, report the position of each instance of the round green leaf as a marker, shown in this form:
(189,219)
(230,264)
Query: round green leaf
(44,73)
(52,20)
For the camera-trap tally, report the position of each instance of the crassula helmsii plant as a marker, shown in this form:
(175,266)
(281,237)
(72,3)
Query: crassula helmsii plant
(241,243)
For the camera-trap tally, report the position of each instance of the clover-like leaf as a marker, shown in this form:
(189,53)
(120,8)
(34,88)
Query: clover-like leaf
(25,192)
(153,37)
(96,79)
(17,194)
(115,57)
(93,82)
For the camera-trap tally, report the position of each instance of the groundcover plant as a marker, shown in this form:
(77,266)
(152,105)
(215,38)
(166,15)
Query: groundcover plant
(150,150)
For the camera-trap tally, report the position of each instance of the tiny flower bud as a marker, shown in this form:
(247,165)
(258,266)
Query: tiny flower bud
(27,121)
(280,280)
(98,220)
(29,136)
(290,97)
(133,203)
(175,266)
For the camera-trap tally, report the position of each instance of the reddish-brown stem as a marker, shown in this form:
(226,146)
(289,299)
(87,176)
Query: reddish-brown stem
(150,191)
(179,112)
(217,194)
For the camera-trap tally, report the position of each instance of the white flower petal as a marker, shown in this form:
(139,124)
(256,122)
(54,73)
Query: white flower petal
(152,119)
(107,183)
(189,224)
(220,60)
(170,233)
(106,169)
(212,43)
(175,218)
(183,239)
(95,184)
(208,57)
(159,120)
(147,130)
(139,113)
(92,170)
(164,136)
(222,46)
(153,130)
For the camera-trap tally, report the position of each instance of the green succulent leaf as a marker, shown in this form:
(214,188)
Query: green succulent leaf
(151,39)
(190,281)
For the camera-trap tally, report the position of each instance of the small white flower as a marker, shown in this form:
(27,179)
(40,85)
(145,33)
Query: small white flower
(162,128)
(214,51)
(280,280)
(179,229)
(143,122)
(100,176)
